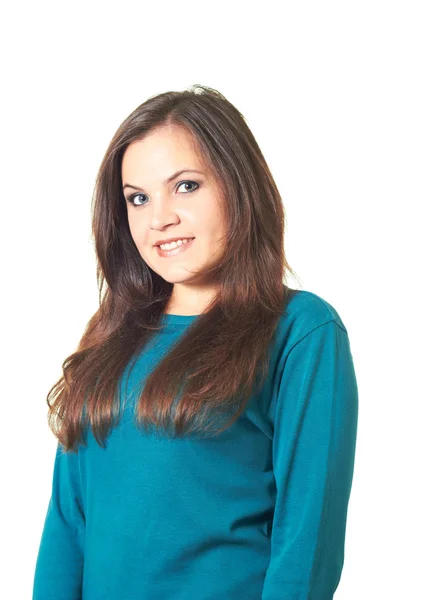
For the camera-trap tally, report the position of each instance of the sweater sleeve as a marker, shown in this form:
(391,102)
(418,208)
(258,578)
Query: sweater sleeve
(314,441)
(59,565)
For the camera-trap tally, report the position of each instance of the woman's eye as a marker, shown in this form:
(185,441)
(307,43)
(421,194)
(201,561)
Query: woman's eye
(131,199)
(188,183)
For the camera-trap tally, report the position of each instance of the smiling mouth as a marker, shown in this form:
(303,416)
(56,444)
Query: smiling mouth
(173,251)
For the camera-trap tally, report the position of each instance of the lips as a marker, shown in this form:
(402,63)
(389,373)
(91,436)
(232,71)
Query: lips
(170,240)
(174,251)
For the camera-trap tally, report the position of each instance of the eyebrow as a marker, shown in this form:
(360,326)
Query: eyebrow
(168,180)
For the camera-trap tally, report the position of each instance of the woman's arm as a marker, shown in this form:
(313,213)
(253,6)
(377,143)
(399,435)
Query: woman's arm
(313,459)
(59,566)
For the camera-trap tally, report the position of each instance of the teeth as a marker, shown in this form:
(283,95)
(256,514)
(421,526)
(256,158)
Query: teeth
(174,244)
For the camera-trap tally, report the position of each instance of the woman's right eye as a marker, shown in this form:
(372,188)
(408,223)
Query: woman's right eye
(131,199)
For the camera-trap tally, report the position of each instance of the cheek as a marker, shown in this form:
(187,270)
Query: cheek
(208,221)
(137,231)
(132,230)
(212,239)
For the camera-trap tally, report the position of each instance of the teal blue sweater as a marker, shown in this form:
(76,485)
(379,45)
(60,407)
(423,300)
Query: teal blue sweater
(258,513)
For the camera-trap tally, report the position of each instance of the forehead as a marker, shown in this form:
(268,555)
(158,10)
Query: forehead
(160,153)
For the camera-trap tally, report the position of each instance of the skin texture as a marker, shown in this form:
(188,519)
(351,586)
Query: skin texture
(164,210)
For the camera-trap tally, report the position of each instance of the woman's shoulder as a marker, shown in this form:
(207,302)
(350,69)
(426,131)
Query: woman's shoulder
(311,309)
(304,312)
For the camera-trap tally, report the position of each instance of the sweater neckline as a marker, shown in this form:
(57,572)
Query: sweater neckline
(170,319)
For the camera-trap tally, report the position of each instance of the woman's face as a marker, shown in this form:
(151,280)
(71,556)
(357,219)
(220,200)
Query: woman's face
(188,206)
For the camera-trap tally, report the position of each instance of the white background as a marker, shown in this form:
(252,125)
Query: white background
(335,94)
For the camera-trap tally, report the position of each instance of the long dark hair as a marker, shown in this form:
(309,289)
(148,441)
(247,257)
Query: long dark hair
(224,354)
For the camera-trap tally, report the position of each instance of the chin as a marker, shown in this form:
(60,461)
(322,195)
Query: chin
(177,279)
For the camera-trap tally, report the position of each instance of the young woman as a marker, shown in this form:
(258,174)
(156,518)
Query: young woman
(206,423)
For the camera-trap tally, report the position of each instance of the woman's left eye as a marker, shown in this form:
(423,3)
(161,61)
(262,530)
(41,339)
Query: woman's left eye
(189,183)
